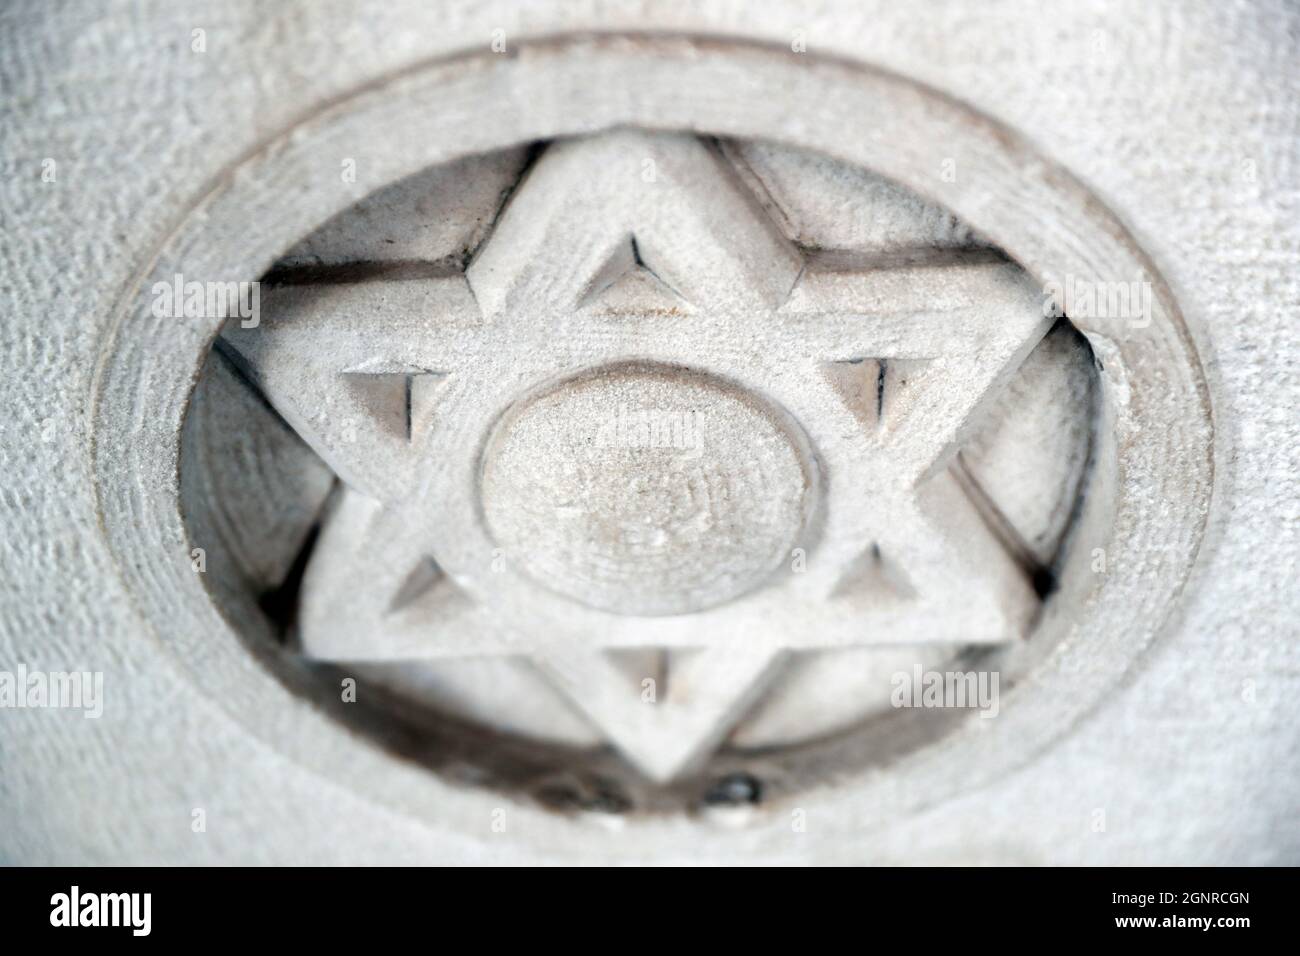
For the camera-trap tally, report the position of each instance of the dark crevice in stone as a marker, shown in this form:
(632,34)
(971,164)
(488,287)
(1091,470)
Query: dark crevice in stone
(280,604)
(880,392)
(535,151)
(1040,576)
(346,273)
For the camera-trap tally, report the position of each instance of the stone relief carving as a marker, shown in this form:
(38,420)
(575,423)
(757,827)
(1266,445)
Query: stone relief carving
(592,445)
(687,453)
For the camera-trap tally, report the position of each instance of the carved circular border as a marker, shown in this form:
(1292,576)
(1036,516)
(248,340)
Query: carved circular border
(1148,512)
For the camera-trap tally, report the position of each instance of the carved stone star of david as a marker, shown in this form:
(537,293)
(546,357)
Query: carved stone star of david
(643,426)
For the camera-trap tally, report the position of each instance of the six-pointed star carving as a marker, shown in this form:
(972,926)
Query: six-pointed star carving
(635,247)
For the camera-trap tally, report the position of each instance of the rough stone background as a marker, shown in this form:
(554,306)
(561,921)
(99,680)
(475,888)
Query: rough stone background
(1163,108)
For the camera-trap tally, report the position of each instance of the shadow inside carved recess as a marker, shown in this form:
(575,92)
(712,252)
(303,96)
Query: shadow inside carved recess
(260,499)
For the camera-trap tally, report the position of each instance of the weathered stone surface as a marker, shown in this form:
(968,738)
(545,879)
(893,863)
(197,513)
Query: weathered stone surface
(1184,757)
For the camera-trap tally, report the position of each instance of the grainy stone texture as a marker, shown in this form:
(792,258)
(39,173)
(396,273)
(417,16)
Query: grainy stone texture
(1029,447)
(1182,117)
(660,404)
